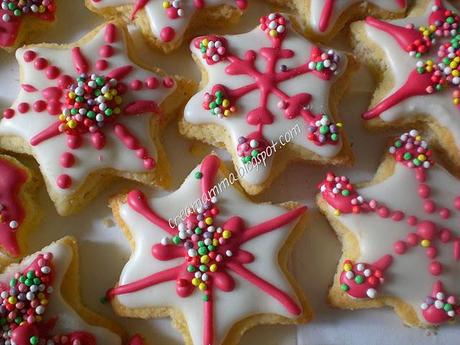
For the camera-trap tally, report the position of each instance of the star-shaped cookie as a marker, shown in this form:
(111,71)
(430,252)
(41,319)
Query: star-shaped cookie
(39,302)
(209,258)
(400,234)
(88,113)
(418,59)
(269,97)
(165,23)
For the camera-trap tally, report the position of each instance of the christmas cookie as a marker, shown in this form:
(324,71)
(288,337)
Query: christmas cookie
(88,113)
(417,61)
(325,18)
(165,23)
(400,234)
(266,99)
(18,213)
(209,258)
(19,18)
(39,302)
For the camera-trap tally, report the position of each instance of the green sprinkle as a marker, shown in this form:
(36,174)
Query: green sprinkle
(359,279)
(344,287)
(198,175)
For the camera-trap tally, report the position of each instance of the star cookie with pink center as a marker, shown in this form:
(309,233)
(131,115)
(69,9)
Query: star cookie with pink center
(88,113)
(418,59)
(267,100)
(165,23)
(20,17)
(400,234)
(209,258)
(39,302)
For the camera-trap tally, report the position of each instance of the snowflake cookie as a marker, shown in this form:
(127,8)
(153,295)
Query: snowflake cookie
(87,113)
(267,89)
(17,212)
(420,60)
(39,302)
(401,236)
(165,22)
(325,18)
(19,17)
(209,258)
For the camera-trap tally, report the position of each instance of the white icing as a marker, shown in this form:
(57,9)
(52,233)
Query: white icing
(340,6)
(157,16)
(408,277)
(114,155)
(400,65)
(236,124)
(229,308)
(68,320)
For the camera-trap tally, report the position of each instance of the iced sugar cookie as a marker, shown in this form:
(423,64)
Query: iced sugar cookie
(88,113)
(218,270)
(400,234)
(165,23)
(417,63)
(40,304)
(18,18)
(265,97)
(325,18)
(18,214)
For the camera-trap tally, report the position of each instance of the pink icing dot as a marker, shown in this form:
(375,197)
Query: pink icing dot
(8,113)
(400,247)
(429,206)
(149,163)
(444,213)
(151,82)
(424,191)
(457,203)
(383,212)
(65,81)
(41,63)
(74,141)
(431,252)
(102,65)
(412,239)
(106,51)
(168,82)
(435,268)
(29,55)
(54,107)
(23,107)
(67,159)
(427,230)
(52,72)
(412,220)
(445,235)
(39,106)
(64,181)
(167,34)
(136,85)
(397,216)
(141,153)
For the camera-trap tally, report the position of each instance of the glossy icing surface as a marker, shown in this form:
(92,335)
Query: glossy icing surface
(65,135)
(247,282)
(294,93)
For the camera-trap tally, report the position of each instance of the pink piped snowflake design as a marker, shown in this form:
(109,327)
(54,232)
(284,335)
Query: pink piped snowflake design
(432,234)
(170,18)
(91,98)
(323,64)
(210,249)
(435,50)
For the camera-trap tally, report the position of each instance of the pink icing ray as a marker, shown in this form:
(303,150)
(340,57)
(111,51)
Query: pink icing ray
(121,72)
(80,62)
(48,133)
(208,321)
(265,286)
(136,340)
(138,5)
(209,168)
(141,107)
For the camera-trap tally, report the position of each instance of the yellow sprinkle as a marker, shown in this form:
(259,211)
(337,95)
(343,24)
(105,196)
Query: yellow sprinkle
(213,268)
(205,42)
(347,267)
(422,158)
(418,138)
(41,295)
(339,124)
(166,4)
(208,220)
(72,124)
(72,95)
(117,110)
(12,300)
(425,243)
(202,286)
(227,112)
(41,9)
(62,117)
(204,259)
(337,213)
(273,33)
(44,301)
(215,242)
(108,96)
(227,234)
(195,282)
(118,99)
(114,92)
(456,101)
(456,73)
(225,103)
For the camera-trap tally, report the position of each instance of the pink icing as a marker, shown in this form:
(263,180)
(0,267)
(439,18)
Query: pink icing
(219,279)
